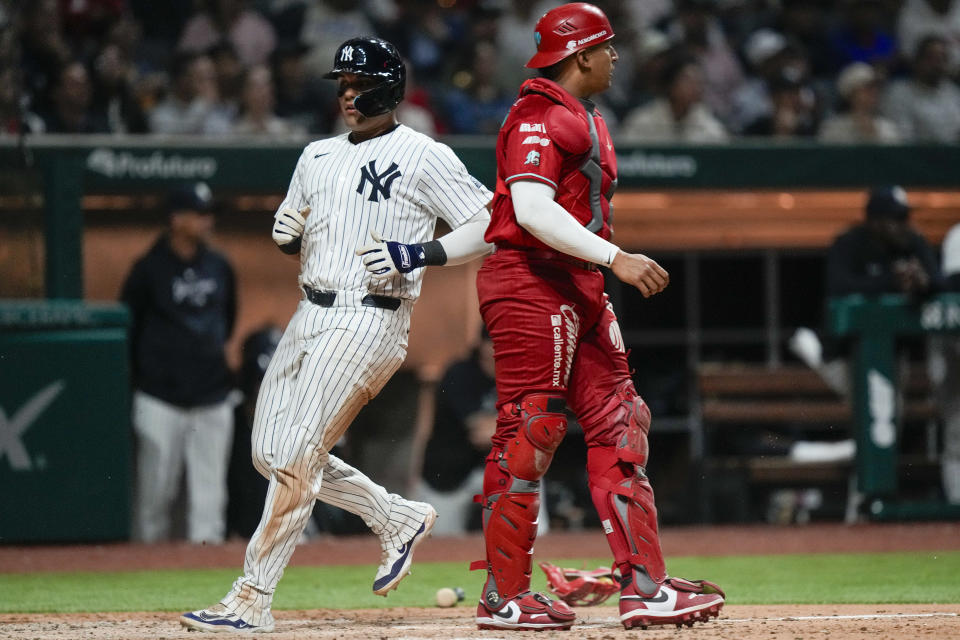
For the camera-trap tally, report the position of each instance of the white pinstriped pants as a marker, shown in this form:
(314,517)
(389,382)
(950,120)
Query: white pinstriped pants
(329,363)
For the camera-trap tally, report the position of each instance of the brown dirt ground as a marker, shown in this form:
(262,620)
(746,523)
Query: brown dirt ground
(781,622)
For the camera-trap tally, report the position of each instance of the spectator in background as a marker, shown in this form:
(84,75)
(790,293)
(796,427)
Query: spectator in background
(858,86)
(943,363)
(794,108)
(679,114)
(883,254)
(114,101)
(696,27)
(325,24)
(926,106)
(192,105)
(249,32)
(653,52)
(257,116)
(247,488)
(514,44)
(230,73)
(161,23)
(429,37)
(15,118)
(182,300)
(86,23)
(805,23)
(300,99)
(477,104)
(465,420)
(862,36)
(43,49)
(68,106)
(768,53)
(416,110)
(920,18)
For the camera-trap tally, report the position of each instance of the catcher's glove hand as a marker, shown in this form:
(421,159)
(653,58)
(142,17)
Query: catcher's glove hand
(580,587)
(288,225)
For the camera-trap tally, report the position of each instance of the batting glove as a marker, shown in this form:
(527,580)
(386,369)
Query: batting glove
(386,258)
(288,225)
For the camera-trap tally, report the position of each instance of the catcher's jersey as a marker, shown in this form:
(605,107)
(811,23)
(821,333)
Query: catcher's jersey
(396,184)
(551,137)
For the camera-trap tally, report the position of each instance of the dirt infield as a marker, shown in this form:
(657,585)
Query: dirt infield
(781,622)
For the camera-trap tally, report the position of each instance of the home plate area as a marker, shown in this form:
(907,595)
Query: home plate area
(780,622)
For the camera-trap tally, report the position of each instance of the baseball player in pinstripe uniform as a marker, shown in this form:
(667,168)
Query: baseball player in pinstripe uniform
(349,333)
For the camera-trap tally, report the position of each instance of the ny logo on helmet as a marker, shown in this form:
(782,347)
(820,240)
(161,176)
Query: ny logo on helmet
(347,54)
(380,182)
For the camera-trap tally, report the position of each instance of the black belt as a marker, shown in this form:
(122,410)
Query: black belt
(548,254)
(327,298)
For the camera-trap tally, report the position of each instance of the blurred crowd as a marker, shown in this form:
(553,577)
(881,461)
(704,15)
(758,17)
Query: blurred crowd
(701,71)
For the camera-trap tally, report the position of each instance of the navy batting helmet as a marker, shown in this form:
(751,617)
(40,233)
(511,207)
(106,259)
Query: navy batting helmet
(374,58)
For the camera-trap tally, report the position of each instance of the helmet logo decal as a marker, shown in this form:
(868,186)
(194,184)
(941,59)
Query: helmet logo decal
(347,54)
(571,45)
(599,34)
(537,38)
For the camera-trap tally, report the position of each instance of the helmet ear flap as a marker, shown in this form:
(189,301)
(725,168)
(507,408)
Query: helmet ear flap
(381,99)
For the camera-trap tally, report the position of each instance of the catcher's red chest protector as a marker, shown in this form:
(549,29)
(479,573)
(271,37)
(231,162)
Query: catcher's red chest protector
(551,137)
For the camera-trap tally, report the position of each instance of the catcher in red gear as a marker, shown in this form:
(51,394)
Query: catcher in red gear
(557,343)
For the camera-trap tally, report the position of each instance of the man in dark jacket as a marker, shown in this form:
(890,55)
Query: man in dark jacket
(182,299)
(884,254)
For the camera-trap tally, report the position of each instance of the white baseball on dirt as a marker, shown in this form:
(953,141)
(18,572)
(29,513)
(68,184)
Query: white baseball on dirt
(446,597)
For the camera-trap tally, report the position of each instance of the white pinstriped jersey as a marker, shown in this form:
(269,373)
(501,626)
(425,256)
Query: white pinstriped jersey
(397,184)
(333,359)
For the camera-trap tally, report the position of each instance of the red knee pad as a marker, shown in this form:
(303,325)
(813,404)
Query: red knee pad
(632,445)
(528,454)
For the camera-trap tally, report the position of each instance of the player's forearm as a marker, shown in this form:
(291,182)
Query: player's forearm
(466,242)
(538,213)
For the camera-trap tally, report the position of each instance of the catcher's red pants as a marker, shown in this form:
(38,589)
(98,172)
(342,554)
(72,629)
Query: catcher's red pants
(553,331)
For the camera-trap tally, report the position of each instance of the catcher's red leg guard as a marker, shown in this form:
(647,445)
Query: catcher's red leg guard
(511,503)
(624,500)
(622,493)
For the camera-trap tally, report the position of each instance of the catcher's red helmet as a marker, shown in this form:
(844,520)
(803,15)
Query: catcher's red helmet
(563,31)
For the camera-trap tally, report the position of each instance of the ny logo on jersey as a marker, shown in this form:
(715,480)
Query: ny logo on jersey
(380,181)
(347,54)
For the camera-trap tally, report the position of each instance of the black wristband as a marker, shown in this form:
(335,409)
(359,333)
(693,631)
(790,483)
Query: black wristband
(433,253)
(291,247)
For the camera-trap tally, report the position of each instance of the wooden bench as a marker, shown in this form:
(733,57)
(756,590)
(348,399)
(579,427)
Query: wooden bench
(755,398)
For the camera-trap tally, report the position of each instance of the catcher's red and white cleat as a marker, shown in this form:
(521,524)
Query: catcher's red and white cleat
(526,611)
(677,601)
